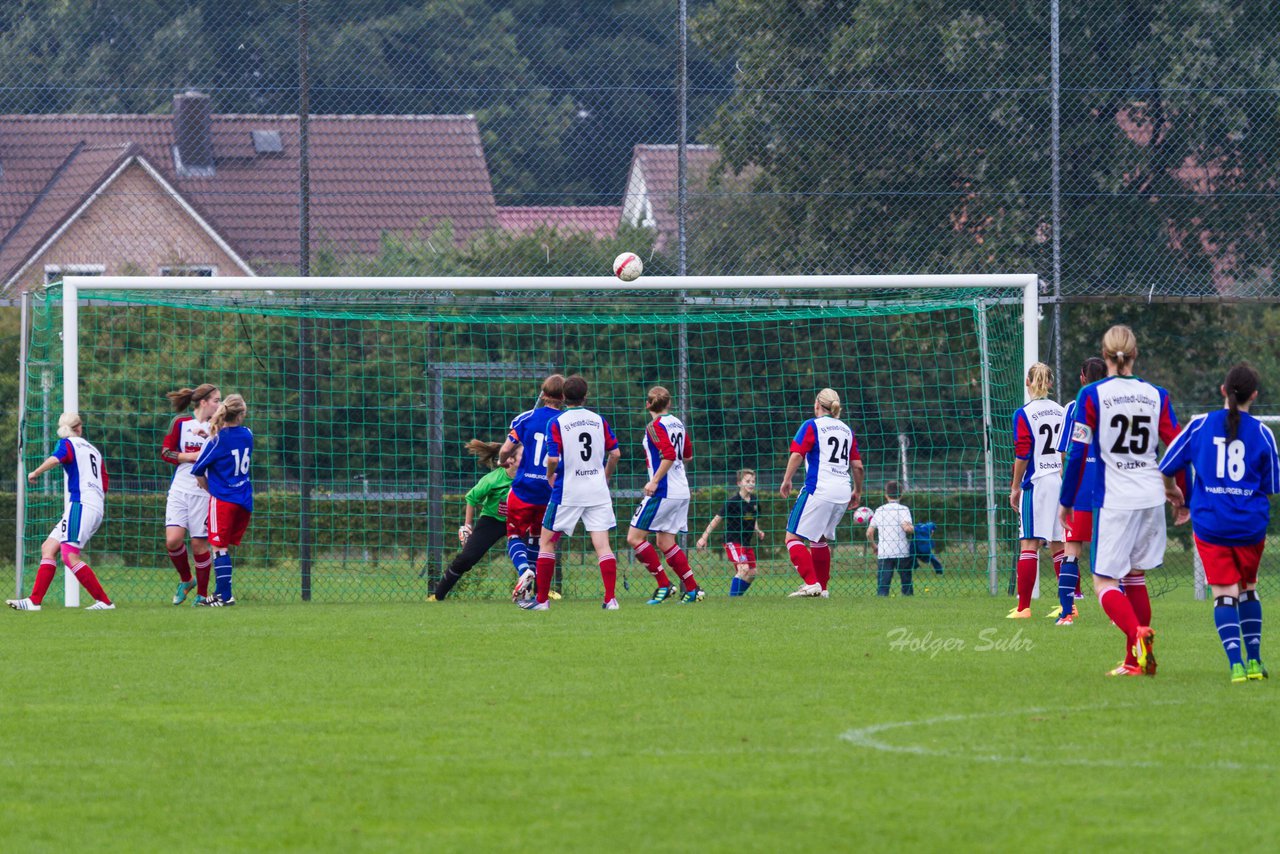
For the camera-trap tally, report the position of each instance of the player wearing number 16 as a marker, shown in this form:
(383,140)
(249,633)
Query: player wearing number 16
(223,469)
(829,451)
(1118,421)
(1037,480)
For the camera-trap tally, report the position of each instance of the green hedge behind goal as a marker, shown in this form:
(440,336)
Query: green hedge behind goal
(361,400)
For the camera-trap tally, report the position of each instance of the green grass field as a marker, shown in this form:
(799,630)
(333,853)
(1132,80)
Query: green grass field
(752,724)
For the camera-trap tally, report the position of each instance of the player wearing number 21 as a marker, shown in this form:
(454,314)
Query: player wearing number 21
(1037,480)
(84,472)
(1236,468)
(223,469)
(1118,421)
(829,451)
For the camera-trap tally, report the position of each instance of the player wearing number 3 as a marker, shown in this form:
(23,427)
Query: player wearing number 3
(1118,421)
(84,472)
(223,469)
(829,451)
(1236,468)
(1037,480)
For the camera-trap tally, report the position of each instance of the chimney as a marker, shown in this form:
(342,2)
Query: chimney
(193,135)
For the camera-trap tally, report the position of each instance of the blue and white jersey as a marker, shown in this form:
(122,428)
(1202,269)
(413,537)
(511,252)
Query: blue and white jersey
(667,438)
(582,440)
(1037,427)
(1064,447)
(225,460)
(84,472)
(828,446)
(1119,420)
(531,430)
(1228,500)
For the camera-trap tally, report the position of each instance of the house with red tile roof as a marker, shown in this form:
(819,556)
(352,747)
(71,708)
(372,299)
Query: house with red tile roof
(652,186)
(596,221)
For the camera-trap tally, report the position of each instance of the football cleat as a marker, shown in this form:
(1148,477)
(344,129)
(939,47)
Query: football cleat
(534,605)
(1069,620)
(1056,612)
(1125,670)
(523,585)
(825,594)
(661,595)
(1015,614)
(1144,650)
(1238,675)
(812,591)
(611,605)
(555,594)
(216,601)
(22,604)
(694,595)
(432,598)
(1255,670)
(202,602)
(101,606)
(184,588)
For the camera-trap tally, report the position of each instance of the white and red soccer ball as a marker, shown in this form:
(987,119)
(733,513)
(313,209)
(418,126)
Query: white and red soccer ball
(628,266)
(862,515)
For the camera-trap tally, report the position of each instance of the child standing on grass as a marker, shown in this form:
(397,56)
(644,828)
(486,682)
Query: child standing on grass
(739,515)
(922,543)
(889,531)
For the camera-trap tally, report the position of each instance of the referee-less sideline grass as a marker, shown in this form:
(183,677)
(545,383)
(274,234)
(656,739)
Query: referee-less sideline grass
(752,724)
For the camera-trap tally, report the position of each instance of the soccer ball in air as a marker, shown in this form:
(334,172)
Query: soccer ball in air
(628,266)
(862,515)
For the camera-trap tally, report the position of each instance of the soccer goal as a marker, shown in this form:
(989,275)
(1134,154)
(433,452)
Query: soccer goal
(362,393)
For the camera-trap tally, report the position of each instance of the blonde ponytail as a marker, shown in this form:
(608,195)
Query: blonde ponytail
(830,401)
(1039,380)
(229,413)
(67,422)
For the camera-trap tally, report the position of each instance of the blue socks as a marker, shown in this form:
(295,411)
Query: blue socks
(222,576)
(738,586)
(1068,577)
(1251,624)
(1226,617)
(518,551)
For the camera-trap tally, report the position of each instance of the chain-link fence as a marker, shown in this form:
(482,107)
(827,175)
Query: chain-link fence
(1115,148)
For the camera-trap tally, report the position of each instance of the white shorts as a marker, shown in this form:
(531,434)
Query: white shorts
(815,519)
(1039,511)
(188,510)
(564,520)
(667,515)
(1125,540)
(78,524)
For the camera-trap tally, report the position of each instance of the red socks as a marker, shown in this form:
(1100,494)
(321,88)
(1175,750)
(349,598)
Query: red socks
(545,570)
(1028,569)
(820,554)
(802,561)
(204,564)
(608,574)
(44,577)
(1134,586)
(1058,558)
(180,562)
(677,561)
(1117,607)
(90,581)
(648,555)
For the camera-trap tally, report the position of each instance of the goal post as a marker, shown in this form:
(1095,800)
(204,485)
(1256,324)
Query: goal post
(959,339)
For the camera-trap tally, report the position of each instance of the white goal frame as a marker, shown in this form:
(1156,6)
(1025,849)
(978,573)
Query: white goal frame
(1027,283)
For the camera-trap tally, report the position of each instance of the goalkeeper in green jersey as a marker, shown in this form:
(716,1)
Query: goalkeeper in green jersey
(488,500)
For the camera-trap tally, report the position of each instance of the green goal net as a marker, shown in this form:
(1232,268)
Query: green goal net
(361,400)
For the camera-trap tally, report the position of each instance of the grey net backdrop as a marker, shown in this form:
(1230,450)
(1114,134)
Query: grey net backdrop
(1128,153)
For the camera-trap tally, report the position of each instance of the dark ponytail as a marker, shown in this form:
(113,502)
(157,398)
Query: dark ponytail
(1240,385)
(1093,369)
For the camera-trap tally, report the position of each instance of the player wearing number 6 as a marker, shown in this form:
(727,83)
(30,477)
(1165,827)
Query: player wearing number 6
(84,472)
(1118,421)
(223,469)
(1037,480)
(1236,468)
(829,451)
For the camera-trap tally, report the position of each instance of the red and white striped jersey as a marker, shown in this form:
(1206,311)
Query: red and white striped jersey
(666,438)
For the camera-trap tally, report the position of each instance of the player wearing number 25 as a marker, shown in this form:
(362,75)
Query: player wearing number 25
(1118,421)
(1236,468)
(223,469)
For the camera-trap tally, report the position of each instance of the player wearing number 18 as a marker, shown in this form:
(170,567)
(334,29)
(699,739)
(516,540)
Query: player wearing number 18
(829,451)
(1236,468)
(223,469)
(1118,421)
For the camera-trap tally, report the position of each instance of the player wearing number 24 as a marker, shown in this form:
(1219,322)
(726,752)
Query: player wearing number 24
(223,470)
